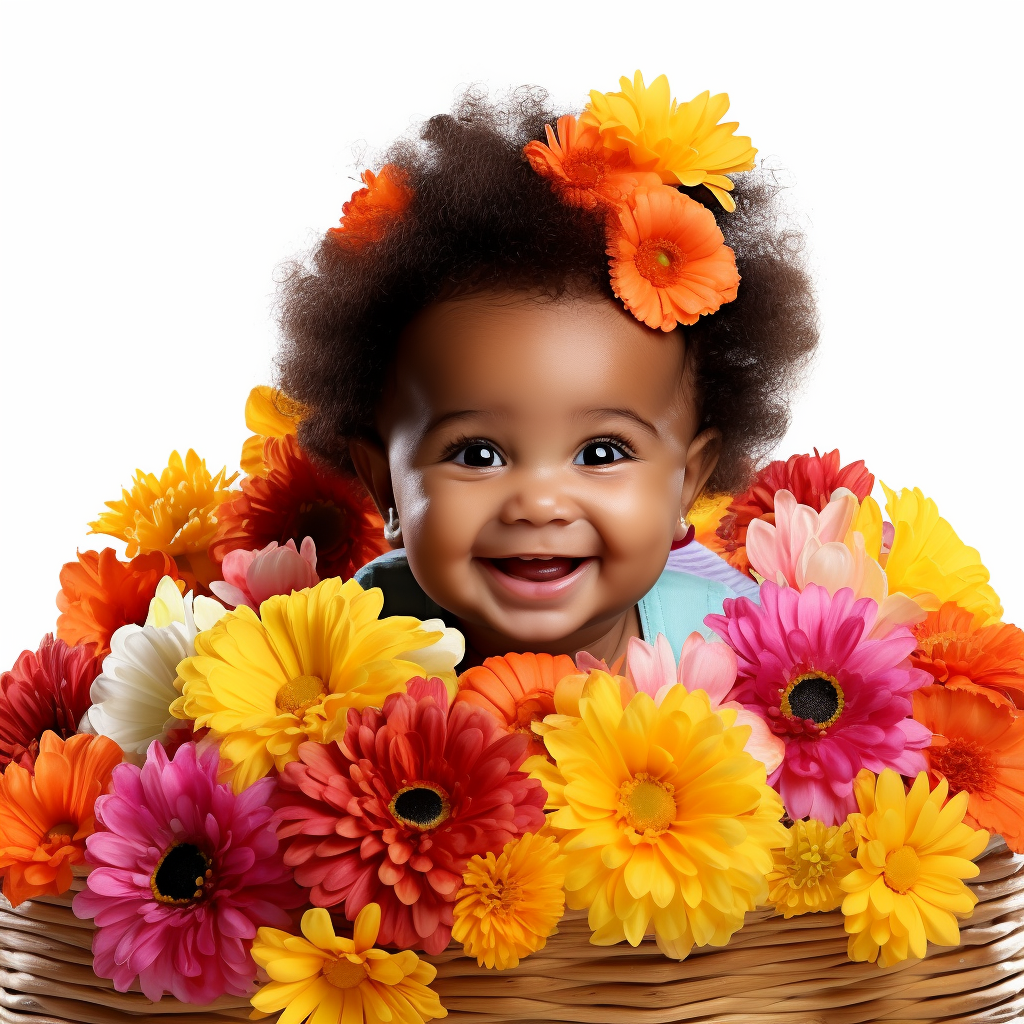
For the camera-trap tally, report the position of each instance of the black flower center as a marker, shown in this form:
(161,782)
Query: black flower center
(814,697)
(182,873)
(422,807)
(321,520)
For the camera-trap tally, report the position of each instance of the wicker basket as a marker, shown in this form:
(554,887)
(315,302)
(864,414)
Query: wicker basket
(773,972)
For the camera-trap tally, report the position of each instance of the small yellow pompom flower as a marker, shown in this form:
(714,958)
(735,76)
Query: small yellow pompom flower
(265,684)
(268,413)
(509,905)
(806,876)
(174,513)
(681,142)
(667,822)
(342,981)
(913,853)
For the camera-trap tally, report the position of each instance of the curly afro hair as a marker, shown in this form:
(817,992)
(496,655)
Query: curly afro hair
(482,219)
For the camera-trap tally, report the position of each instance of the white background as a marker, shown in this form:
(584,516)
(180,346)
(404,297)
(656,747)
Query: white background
(161,160)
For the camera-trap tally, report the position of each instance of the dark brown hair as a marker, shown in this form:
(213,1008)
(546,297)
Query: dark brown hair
(481,218)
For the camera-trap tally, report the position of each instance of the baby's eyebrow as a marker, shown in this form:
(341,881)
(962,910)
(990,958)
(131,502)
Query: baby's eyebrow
(629,414)
(458,414)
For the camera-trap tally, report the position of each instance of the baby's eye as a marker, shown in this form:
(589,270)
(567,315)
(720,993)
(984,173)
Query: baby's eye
(479,455)
(599,453)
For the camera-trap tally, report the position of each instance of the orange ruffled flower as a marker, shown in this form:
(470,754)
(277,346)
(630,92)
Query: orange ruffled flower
(978,748)
(582,170)
(518,689)
(669,261)
(99,594)
(268,413)
(46,816)
(366,217)
(957,651)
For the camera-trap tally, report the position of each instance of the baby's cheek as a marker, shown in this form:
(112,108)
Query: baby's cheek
(636,520)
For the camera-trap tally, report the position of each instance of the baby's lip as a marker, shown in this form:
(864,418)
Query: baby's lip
(537,577)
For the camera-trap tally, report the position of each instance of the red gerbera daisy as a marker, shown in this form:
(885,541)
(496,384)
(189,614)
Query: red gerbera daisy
(295,500)
(810,478)
(99,593)
(392,813)
(46,689)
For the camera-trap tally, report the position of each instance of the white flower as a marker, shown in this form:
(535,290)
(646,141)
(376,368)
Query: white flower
(132,695)
(442,655)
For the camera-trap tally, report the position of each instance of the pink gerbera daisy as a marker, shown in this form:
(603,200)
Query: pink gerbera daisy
(839,700)
(184,874)
(392,812)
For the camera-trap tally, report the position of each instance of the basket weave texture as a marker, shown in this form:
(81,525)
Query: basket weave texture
(772,972)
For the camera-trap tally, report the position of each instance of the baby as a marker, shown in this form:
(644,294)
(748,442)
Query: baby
(537,350)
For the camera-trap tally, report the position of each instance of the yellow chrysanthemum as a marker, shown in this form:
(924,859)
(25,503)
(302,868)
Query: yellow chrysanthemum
(509,905)
(682,142)
(335,980)
(666,820)
(927,560)
(174,513)
(913,853)
(806,876)
(268,413)
(264,685)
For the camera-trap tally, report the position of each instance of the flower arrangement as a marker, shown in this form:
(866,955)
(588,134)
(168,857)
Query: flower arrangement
(220,766)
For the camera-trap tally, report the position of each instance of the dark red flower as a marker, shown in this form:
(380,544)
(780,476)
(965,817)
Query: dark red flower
(295,500)
(46,689)
(810,478)
(392,812)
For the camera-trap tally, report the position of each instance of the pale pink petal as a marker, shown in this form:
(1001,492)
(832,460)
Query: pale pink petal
(837,516)
(279,571)
(896,610)
(236,565)
(831,566)
(308,551)
(650,668)
(707,666)
(763,743)
(230,595)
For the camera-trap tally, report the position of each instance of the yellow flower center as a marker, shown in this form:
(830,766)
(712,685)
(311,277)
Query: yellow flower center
(902,869)
(659,261)
(299,695)
(345,974)
(420,807)
(941,638)
(64,832)
(503,897)
(814,697)
(181,875)
(647,804)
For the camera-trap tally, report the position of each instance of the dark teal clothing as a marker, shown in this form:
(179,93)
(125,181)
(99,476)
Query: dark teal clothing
(676,605)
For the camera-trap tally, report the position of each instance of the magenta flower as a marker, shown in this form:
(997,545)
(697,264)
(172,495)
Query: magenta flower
(184,872)
(840,700)
(250,577)
(391,813)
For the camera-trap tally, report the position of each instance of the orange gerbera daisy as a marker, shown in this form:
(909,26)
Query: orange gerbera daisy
(366,216)
(978,748)
(518,689)
(99,594)
(957,651)
(46,814)
(669,261)
(295,500)
(581,169)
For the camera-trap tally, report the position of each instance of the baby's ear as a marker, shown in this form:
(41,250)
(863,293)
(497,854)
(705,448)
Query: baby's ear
(701,459)
(372,467)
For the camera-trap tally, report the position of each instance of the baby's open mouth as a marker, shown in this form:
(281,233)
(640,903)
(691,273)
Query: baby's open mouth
(541,569)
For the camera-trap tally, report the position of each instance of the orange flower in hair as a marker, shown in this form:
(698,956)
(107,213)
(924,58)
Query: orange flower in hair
(669,261)
(365,218)
(46,814)
(518,689)
(581,169)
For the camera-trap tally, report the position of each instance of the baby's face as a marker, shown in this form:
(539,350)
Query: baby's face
(540,454)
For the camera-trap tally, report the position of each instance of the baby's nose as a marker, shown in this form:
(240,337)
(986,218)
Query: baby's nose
(539,497)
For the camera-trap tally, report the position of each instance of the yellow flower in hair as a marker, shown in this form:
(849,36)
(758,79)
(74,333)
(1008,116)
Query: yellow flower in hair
(682,142)
(509,905)
(928,561)
(667,822)
(807,873)
(913,853)
(333,980)
(268,413)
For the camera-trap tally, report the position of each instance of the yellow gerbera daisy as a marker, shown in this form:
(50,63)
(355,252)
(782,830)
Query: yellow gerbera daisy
(174,513)
(682,142)
(913,853)
(268,413)
(509,905)
(342,981)
(927,560)
(805,879)
(264,685)
(666,820)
